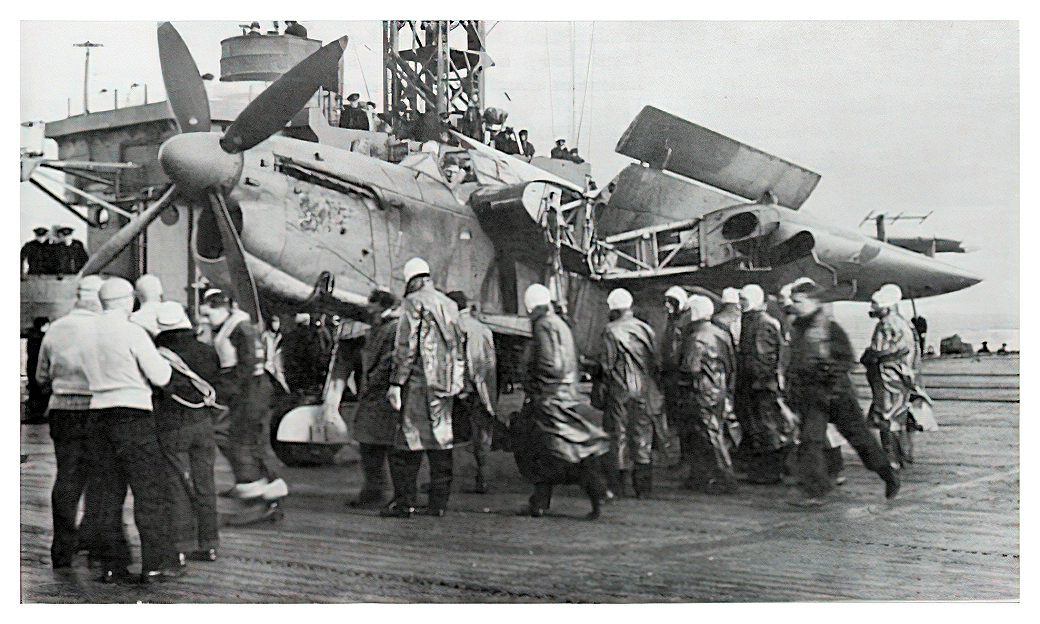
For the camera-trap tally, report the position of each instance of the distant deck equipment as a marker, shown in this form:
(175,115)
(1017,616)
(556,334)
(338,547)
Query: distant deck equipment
(263,57)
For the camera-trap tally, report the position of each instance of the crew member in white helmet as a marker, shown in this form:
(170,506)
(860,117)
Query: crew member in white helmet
(426,375)
(149,293)
(893,362)
(634,404)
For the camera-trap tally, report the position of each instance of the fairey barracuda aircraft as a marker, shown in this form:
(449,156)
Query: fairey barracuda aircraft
(292,223)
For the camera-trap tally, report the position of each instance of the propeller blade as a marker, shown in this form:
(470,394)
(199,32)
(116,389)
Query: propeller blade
(273,108)
(184,87)
(241,278)
(119,241)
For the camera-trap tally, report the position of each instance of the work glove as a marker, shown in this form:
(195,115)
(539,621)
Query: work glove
(394,396)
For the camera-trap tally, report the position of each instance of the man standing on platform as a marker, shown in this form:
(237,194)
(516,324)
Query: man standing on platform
(821,392)
(476,405)
(425,378)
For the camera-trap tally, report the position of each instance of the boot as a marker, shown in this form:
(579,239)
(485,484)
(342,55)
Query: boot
(890,444)
(891,479)
(624,477)
(614,482)
(906,447)
(255,512)
(642,480)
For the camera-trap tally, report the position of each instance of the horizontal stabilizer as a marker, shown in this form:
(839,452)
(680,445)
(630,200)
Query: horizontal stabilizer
(928,246)
(667,142)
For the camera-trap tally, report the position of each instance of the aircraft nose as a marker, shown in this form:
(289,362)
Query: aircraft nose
(195,162)
(952,279)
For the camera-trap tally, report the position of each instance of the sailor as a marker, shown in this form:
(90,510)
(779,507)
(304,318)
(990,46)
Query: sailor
(893,361)
(475,407)
(820,392)
(675,300)
(36,401)
(425,377)
(728,318)
(60,369)
(560,152)
(184,423)
(351,115)
(729,315)
(37,254)
(149,293)
(554,443)
(703,380)
(375,420)
(526,147)
(121,365)
(241,433)
(70,255)
(574,157)
(634,405)
(273,363)
(295,29)
(766,433)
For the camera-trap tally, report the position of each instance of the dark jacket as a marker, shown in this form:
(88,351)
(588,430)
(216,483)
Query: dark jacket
(706,363)
(376,420)
(201,358)
(551,385)
(821,354)
(758,355)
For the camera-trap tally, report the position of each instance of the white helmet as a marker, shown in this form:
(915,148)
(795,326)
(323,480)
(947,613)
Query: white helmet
(536,295)
(753,295)
(887,296)
(619,299)
(730,295)
(677,293)
(700,307)
(415,267)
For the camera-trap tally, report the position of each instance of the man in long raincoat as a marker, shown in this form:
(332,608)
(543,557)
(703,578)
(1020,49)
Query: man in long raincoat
(892,362)
(766,432)
(704,366)
(475,408)
(634,406)
(426,376)
(554,444)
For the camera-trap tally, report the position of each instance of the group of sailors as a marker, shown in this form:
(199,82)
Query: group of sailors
(53,252)
(139,400)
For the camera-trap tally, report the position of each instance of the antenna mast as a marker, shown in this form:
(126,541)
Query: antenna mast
(86,70)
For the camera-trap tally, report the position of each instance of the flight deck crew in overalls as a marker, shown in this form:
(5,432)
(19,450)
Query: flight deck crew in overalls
(671,351)
(425,378)
(554,444)
(184,420)
(61,369)
(242,433)
(120,362)
(704,368)
(893,360)
(820,392)
(634,405)
(475,406)
(766,433)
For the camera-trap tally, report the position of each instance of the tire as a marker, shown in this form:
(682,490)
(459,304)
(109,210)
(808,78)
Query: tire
(298,454)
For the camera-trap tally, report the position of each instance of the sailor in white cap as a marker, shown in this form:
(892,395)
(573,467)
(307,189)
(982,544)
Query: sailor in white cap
(60,367)
(820,391)
(703,379)
(425,377)
(893,361)
(122,365)
(634,404)
(767,435)
(671,351)
(728,316)
(184,420)
(149,293)
(554,443)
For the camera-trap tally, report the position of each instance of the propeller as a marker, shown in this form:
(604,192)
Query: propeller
(202,165)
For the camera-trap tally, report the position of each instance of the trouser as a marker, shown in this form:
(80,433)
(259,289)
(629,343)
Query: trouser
(765,444)
(588,475)
(835,403)
(373,468)
(631,432)
(702,436)
(480,429)
(404,470)
(69,430)
(243,432)
(125,450)
(190,455)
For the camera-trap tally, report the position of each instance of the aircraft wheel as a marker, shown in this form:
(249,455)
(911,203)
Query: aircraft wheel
(295,453)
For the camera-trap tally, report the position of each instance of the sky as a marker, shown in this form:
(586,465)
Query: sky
(902,117)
